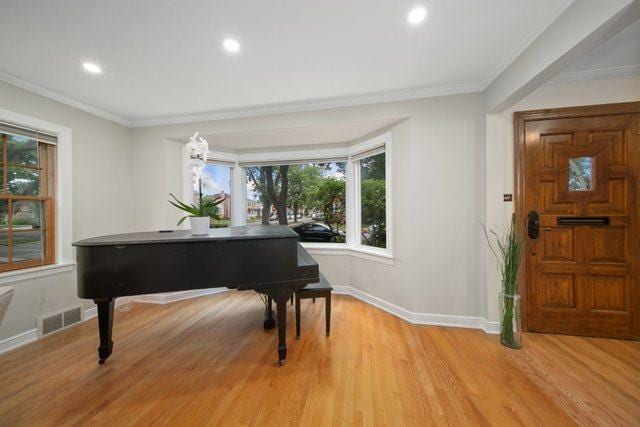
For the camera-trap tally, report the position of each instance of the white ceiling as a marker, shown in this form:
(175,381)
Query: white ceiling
(162,58)
(620,51)
(297,136)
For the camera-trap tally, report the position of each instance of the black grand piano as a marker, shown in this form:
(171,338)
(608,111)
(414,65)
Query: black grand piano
(263,258)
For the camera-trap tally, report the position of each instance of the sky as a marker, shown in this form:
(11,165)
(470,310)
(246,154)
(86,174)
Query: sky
(215,178)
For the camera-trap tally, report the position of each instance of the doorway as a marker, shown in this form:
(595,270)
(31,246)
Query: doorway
(577,191)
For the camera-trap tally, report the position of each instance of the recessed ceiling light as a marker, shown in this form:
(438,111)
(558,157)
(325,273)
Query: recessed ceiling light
(92,68)
(231,45)
(417,15)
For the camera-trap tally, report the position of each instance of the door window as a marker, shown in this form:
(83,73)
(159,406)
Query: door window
(580,178)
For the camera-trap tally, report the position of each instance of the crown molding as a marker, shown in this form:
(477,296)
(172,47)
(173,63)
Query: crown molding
(290,107)
(317,104)
(540,26)
(15,81)
(552,13)
(602,73)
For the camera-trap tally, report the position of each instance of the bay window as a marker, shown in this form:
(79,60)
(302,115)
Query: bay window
(335,198)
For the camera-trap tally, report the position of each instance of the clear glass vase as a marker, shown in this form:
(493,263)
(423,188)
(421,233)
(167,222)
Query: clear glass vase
(510,327)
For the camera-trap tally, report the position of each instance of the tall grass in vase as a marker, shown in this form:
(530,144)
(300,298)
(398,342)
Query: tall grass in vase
(508,251)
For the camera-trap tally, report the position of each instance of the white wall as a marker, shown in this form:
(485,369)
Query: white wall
(102,198)
(499,153)
(452,163)
(438,197)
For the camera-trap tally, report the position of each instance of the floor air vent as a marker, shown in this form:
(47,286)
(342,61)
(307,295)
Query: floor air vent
(50,324)
(72,316)
(61,320)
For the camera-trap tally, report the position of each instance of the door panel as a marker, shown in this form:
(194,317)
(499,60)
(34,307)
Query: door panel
(582,278)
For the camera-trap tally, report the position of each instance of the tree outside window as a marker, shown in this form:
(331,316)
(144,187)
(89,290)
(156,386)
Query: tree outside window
(373,204)
(299,194)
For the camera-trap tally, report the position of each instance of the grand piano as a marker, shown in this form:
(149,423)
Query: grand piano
(263,258)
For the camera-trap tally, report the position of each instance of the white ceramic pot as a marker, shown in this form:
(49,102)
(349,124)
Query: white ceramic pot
(200,225)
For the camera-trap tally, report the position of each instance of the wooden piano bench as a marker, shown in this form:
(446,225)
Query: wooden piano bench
(321,289)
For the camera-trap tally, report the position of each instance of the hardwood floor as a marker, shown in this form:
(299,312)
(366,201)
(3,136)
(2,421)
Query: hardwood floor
(208,361)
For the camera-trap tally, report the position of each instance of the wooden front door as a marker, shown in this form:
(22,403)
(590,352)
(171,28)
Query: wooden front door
(577,170)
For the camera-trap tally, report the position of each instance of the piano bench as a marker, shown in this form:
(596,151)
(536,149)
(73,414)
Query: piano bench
(322,289)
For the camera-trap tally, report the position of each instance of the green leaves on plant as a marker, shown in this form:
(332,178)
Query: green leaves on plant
(208,207)
(509,249)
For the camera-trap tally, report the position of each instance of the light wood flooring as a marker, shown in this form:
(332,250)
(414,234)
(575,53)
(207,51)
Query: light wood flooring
(208,361)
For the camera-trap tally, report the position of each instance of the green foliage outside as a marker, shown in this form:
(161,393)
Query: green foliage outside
(373,201)
(23,179)
(220,223)
(303,184)
(295,191)
(329,198)
(373,210)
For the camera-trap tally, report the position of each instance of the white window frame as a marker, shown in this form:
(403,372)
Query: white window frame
(348,153)
(65,255)
(223,159)
(383,141)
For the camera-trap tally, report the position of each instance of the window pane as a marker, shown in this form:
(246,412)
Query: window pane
(4,247)
(295,195)
(22,151)
(216,185)
(27,215)
(27,245)
(22,235)
(4,214)
(373,206)
(23,181)
(580,174)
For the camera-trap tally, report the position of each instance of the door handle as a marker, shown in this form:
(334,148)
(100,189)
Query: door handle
(533,224)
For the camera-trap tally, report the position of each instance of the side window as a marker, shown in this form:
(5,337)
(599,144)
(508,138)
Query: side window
(372,200)
(27,192)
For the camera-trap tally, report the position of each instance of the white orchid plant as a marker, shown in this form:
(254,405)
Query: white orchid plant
(197,150)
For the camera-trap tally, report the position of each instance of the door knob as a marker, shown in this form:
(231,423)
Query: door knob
(533,225)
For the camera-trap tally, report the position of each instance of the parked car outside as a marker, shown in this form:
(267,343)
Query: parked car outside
(313,231)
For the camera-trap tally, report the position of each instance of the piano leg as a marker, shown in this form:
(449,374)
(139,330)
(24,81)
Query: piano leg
(281,307)
(281,296)
(105,325)
(269,321)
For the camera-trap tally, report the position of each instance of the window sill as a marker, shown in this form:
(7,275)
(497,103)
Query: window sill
(334,249)
(34,273)
(373,255)
(320,247)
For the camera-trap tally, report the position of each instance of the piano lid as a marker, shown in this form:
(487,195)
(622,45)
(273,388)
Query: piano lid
(245,232)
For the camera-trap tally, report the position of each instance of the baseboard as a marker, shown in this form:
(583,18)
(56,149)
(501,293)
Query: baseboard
(89,313)
(169,297)
(409,316)
(92,312)
(421,318)
(18,340)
